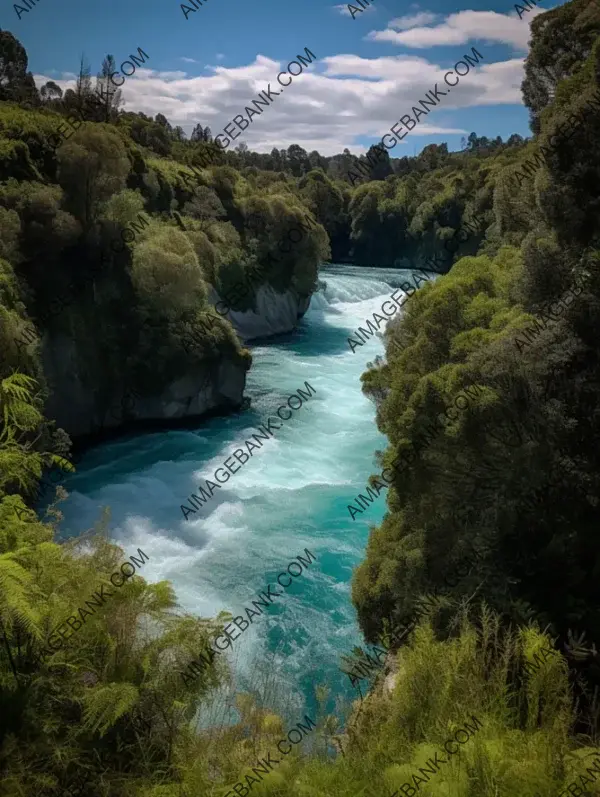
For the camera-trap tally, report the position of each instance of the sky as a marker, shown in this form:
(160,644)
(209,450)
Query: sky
(368,70)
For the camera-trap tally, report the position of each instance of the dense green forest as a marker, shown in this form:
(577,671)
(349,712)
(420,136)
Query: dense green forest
(515,478)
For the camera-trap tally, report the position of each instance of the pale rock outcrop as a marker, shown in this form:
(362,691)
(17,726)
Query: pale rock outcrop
(276,313)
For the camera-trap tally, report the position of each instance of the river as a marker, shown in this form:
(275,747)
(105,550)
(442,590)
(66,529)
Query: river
(293,494)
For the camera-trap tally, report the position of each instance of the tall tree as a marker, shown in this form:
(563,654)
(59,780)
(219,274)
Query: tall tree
(317,161)
(92,167)
(111,96)
(277,160)
(298,162)
(197,133)
(340,165)
(162,120)
(242,151)
(13,66)
(83,84)
(28,93)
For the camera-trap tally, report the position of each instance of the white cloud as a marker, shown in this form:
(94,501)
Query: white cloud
(333,104)
(170,75)
(404,23)
(188,60)
(462,27)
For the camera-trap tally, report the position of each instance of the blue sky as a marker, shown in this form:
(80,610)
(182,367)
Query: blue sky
(369,70)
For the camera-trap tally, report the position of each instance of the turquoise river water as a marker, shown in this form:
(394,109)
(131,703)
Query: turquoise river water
(293,494)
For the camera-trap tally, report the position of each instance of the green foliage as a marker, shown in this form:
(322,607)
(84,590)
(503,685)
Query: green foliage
(123,208)
(166,271)
(204,206)
(326,203)
(106,704)
(20,416)
(562,40)
(106,686)
(16,162)
(430,221)
(513,476)
(92,167)
(10,229)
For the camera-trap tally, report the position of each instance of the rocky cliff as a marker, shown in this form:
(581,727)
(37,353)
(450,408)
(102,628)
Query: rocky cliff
(83,410)
(275,313)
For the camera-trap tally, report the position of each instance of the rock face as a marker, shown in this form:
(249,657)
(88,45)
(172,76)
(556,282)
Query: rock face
(276,313)
(82,410)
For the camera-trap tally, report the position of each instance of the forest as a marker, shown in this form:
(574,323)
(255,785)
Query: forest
(511,640)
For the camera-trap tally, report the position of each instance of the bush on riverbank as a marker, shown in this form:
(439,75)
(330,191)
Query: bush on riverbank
(520,322)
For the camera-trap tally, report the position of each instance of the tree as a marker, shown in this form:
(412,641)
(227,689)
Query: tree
(340,166)
(93,165)
(162,120)
(166,272)
(298,162)
(83,84)
(13,66)
(381,167)
(205,206)
(317,161)
(197,133)
(406,165)
(276,160)
(562,40)
(242,153)
(432,156)
(29,94)
(50,91)
(111,96)
(327,205)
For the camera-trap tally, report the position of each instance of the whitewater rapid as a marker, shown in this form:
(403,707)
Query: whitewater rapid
(291,495)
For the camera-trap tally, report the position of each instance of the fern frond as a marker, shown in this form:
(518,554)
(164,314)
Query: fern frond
(104,705)
(17,591)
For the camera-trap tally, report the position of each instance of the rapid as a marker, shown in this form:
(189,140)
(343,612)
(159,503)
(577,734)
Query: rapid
(291,495)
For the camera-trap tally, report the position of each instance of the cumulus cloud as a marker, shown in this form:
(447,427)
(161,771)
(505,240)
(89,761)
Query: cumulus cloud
(335,103)
(170,75)
(462,27)
(412,21)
